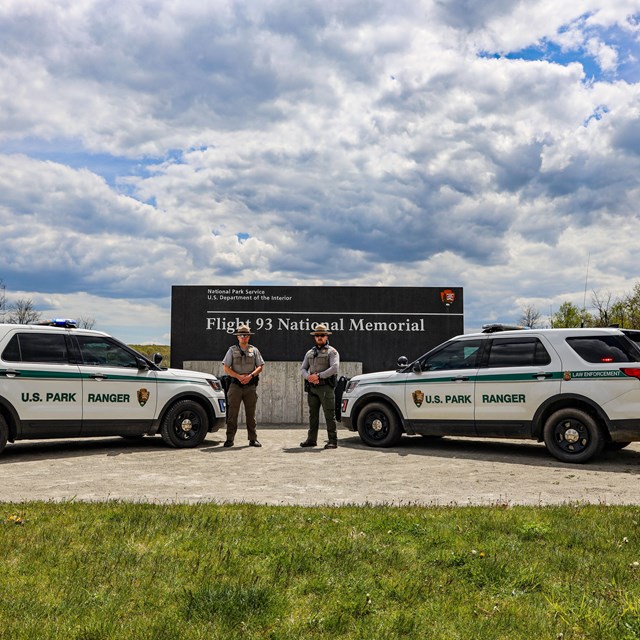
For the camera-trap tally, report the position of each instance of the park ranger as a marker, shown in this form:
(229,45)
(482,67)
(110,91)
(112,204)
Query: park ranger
(243,363)
(320,372)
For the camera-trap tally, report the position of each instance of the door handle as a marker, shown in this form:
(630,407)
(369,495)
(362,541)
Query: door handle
(542,375)
(461,379)
(10,373)
(98,376)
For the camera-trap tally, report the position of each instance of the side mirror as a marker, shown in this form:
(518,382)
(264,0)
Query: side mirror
(157,358)
(416,367)
(142,365)
(403,361)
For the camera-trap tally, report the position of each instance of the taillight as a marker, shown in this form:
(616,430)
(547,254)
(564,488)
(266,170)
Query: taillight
(632,372)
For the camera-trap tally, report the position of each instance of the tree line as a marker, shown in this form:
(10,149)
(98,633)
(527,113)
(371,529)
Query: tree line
(607,310)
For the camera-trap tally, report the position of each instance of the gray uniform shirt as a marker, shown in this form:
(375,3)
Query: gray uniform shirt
(251,351)
(309,362)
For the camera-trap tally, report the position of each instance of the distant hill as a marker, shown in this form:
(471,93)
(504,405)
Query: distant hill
(149,349)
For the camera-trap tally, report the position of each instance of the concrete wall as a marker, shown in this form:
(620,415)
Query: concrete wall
(281,397)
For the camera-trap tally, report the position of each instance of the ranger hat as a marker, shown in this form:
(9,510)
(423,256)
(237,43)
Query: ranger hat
(321,329)
(243,329)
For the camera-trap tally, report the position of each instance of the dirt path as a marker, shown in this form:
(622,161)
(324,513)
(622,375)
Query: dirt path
(447,471)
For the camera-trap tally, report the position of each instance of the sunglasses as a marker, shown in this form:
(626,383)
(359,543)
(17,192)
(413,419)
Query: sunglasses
(321,335)
(243,335)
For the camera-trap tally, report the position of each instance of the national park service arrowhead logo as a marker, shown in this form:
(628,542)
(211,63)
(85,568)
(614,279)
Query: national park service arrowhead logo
(143,395)
(418,397)
(448,297)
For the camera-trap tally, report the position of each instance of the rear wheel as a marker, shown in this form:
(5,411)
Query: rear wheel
(185,425)
(572,435)
(378,425)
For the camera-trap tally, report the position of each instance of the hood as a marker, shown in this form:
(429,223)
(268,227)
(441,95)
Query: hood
(183,374)
(374,377)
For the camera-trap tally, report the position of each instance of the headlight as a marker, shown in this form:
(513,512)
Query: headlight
(214,384)
(351,385)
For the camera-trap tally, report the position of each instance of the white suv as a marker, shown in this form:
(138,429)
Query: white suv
(575,389)
(63,382)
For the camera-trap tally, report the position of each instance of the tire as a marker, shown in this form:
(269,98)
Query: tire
(4,433)
(378,425)
(185,425)
(572,435)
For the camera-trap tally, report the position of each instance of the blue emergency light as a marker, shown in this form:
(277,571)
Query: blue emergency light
(61,322)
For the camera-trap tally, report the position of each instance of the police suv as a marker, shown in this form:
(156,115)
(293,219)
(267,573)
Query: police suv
(63,382)
(575,389)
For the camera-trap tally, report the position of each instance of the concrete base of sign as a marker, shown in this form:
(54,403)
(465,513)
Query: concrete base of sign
(281,397)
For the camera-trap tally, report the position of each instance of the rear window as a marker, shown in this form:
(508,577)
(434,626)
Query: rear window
(604,349)
(37,347)
(518,352)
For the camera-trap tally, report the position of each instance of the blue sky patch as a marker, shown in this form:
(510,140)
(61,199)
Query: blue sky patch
(625,43)
(68,153)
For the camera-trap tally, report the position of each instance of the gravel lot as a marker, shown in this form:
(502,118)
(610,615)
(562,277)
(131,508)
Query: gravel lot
(447,471)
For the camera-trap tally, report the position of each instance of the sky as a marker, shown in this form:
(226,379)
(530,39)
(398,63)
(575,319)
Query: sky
(491,145)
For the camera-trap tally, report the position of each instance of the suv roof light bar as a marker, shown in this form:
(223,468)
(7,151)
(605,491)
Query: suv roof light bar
(60,322)
(493,327)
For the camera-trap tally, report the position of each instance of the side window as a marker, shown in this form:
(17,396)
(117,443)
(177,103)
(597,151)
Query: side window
(11,352)
(603,349)
(96,350)
(462,354)
(37,347)
(634,336)
(518,352)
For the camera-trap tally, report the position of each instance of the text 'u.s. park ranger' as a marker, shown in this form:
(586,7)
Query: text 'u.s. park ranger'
(320,371)
(243,363)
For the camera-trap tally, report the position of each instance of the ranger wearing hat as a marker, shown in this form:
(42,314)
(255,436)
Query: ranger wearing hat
(243,363)
(320,372)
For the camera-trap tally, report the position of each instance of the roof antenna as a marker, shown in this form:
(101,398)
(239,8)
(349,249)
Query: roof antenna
(584,300)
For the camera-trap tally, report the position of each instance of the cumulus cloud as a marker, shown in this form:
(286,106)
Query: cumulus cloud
(487,145)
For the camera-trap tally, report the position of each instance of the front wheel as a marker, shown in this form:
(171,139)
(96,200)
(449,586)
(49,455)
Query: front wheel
(378,425)
(185,425)
(572,435)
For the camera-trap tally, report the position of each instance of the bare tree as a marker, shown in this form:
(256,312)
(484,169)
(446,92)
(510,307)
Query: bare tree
(530,317)
(603,305)
(86,322)
(22,311)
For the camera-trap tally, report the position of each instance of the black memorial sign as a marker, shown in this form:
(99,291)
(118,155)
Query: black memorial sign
(372,325)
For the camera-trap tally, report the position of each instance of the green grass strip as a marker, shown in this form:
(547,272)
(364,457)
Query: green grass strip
(121,570)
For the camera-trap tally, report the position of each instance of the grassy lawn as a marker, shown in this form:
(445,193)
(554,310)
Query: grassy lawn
(118,570)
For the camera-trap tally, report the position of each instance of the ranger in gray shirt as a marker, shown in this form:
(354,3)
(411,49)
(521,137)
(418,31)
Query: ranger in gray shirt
(243,363)
(320,371)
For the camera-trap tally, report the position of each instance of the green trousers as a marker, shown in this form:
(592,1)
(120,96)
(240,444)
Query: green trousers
(237,394)
(323,396)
